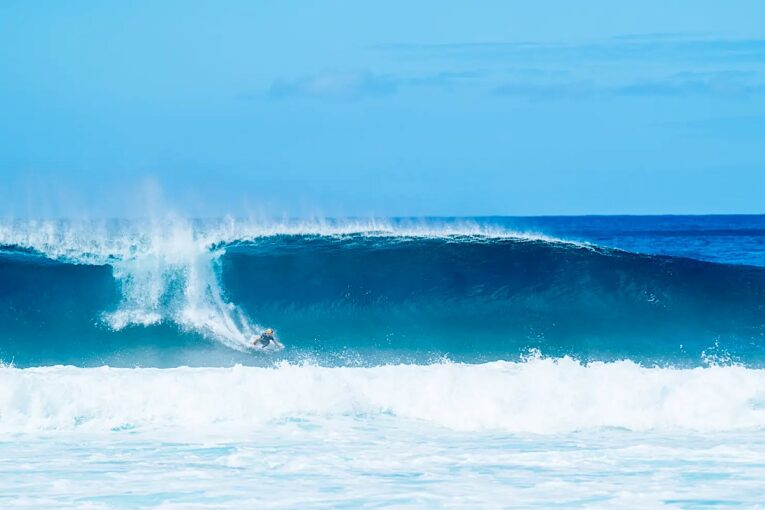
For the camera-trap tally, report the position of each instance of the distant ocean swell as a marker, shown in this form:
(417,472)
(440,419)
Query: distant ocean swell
(127,294)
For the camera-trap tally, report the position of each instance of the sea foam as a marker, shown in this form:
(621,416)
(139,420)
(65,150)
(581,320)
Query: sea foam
(540,395)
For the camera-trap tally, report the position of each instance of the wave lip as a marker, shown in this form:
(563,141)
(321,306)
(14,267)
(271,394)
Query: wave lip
(104,241)
(539,396)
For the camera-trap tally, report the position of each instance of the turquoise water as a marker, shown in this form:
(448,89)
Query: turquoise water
(385,463)
(599,362)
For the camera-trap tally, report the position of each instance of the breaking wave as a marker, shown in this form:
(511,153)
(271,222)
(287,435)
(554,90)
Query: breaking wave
(182,292)
(541,396)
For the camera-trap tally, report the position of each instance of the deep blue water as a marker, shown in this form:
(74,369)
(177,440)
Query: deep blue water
(729,239)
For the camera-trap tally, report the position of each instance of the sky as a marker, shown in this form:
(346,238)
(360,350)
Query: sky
(347,108)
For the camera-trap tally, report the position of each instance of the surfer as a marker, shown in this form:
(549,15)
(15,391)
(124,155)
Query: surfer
(267,338)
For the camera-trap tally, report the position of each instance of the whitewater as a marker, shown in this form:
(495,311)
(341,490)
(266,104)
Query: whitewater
(542,396)
(461,362)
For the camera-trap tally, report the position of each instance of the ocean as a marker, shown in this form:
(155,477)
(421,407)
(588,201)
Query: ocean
(494,362)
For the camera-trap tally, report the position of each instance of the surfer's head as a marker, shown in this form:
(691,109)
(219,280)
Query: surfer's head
(269,331)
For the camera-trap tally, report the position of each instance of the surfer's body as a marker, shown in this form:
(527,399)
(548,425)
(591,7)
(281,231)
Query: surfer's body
(267,340)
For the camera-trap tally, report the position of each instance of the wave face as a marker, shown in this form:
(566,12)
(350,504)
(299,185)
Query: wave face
(195,293)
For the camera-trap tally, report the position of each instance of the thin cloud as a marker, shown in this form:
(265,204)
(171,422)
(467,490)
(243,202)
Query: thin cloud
(626,47)
(546,91)
(445,79)
(721,83)
(739,126)
(335,84)
(725,83)
(358,84)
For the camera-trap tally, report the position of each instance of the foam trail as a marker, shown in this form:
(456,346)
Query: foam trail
(537,396)
(174,278)
(166,271)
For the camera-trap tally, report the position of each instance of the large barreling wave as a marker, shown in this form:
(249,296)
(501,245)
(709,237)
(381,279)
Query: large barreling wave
(181,292)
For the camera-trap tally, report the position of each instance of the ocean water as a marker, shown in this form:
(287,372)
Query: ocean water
(583,362)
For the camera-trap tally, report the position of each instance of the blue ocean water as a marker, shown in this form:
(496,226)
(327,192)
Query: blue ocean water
(466,362)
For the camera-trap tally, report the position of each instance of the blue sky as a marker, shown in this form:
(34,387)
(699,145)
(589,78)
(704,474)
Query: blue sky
(382,108)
